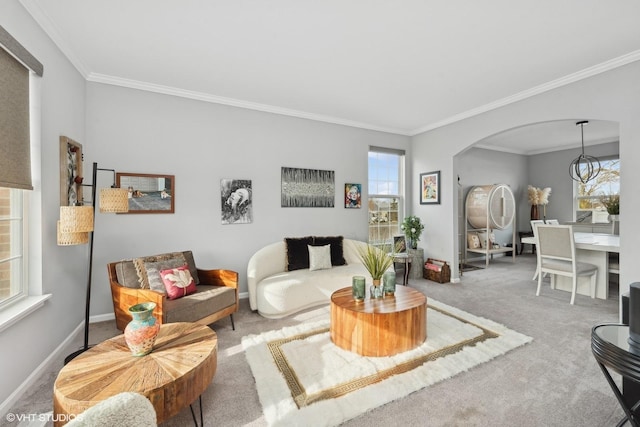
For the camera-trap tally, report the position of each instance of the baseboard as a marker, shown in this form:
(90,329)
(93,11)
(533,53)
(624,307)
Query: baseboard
(42,369)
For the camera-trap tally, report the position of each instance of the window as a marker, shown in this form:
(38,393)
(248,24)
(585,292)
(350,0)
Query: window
(607,183)
(386,194)
(12,256)
(19,128)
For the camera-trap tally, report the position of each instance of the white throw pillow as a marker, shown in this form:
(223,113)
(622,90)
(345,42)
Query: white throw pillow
(319,257)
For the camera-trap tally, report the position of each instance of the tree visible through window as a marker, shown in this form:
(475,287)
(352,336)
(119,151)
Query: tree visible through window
(607,183)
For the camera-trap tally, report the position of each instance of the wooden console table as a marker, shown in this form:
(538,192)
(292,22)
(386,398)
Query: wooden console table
(379,327)
(178,370)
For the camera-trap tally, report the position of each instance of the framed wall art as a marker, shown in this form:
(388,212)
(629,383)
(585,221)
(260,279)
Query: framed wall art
(430,188)
(399,244)
(236,200)
(148,193)
(70,172)
(353,196)
(307,188)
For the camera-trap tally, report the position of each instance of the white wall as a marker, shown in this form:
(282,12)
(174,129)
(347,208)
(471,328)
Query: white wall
(201,143)
(27,343)
(614,95)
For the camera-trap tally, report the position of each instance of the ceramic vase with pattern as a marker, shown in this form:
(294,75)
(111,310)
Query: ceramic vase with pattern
(140,334)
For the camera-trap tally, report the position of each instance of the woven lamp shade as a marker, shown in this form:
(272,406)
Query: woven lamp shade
(114,200)
(68,239)
(76,219)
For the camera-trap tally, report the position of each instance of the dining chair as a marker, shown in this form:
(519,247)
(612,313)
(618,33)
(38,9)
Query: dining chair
(534,241)
(557,255)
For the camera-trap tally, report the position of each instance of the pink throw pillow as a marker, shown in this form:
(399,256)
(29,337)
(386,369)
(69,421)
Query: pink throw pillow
(178,282)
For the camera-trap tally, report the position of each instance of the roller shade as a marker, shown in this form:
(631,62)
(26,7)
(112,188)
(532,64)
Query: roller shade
(15,157)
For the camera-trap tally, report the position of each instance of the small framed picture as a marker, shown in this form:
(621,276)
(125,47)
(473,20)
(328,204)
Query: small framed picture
(430,188)
(353,196)
(399,244)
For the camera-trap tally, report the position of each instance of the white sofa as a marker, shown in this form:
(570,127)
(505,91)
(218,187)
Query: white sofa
(275,292)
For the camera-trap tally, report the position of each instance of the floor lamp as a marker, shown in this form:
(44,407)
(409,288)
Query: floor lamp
(76,226)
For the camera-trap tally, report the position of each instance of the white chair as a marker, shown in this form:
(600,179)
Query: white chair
(533,241)
(557,255)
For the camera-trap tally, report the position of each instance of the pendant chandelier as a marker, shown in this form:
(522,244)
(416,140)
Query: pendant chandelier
(584,168)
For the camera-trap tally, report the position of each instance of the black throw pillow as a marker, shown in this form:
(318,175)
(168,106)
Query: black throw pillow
(298,252)
(337,253)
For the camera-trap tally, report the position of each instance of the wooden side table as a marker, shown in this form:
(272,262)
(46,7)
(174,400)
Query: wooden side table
(381,326)
(405,259)
(178,370)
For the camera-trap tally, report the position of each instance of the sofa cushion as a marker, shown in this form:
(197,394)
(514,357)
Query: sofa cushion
(319,257)
(206,300)
(178,282)
(298,252)
(337,251)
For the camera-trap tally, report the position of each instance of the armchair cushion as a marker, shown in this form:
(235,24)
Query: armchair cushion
(178,281)
(127,274)
(207,299)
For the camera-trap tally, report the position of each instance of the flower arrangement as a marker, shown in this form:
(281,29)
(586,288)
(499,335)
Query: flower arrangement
(538,196)
(412,227)
(375,260)
(611,203)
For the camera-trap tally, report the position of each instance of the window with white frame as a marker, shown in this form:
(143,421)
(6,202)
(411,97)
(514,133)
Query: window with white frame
(385,194)
(17,109)
(12,248)
(589,196)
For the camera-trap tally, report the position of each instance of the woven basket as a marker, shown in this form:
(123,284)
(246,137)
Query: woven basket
(442,275)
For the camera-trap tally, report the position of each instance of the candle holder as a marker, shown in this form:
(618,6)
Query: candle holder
(389,283)
(358,287)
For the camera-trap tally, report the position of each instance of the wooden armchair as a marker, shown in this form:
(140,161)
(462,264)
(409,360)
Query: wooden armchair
(216,297)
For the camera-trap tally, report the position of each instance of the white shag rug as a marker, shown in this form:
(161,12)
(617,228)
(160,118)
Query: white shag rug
(302,378)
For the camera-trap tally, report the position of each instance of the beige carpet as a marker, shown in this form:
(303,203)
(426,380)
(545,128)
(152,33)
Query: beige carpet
(303,378)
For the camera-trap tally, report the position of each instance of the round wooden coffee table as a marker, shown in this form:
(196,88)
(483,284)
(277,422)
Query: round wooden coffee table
(178,370)
(379,327)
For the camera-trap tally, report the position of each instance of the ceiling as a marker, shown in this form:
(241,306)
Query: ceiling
(401,67)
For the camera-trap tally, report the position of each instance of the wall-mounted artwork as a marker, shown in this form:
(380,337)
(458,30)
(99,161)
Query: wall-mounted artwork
(237,205)
(430,188)
(307,188)
(148,193)
(353,196)
(70,172)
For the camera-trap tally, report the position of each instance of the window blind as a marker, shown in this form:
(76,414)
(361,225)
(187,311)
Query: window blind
(15,158)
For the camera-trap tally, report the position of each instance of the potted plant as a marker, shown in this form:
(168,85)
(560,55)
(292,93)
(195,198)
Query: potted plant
(376,262)
(412,228)
(612,205)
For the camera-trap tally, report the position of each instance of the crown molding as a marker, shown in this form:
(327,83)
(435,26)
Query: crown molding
(536,90)
(47,25)
(200,96)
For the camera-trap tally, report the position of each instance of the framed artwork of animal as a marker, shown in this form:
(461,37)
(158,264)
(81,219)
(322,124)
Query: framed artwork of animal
(148,193)
(237,201)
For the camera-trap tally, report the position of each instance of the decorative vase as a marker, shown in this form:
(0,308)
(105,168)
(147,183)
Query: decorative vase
(358,287)
(413,244)
(534,212)
(376,289)
(140,334)
(389,283)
